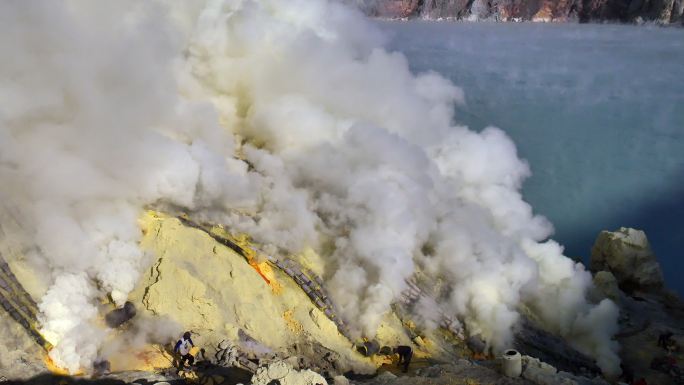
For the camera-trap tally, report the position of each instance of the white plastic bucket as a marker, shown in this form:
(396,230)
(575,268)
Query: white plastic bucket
(511,363)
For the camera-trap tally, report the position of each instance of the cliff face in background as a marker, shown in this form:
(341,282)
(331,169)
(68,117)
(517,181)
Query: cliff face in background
(661,11)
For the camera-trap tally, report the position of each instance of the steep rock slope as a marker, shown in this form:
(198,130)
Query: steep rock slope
(212,290)
(20,356)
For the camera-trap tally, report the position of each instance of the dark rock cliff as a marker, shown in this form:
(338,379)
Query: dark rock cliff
(660,11)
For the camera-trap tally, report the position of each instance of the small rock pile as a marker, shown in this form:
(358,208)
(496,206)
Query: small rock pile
(542,373)
(282,373)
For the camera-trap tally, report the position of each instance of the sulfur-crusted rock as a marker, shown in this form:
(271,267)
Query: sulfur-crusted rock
(285,374)
(627,254)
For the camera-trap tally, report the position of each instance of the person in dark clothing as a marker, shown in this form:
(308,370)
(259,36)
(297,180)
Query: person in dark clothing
(664,339)
(182,349)
(405,353)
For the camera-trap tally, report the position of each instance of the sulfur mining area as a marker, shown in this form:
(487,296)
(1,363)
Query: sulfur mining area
(261,319)
(264,192)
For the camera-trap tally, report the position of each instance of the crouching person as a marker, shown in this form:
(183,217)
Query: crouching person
(182,351)
(405,353)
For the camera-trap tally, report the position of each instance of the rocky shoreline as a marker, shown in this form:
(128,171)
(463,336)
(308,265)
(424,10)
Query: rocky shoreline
(662,12)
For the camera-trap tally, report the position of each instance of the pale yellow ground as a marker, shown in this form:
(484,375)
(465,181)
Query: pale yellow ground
(214,292)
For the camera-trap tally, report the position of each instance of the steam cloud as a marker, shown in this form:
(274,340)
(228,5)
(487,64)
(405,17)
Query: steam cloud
(108,107)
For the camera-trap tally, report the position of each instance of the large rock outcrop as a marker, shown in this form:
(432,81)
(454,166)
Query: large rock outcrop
(627,254)
(661,11)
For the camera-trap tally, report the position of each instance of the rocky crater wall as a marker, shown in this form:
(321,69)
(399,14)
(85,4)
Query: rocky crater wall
(660,11)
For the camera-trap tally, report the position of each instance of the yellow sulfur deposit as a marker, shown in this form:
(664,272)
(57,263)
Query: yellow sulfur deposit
(266,272)
(292,323)
(213,291)
(148,358)
(50,366)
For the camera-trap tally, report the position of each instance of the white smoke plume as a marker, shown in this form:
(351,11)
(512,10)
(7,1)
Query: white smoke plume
(108,107)
(143,330)
(93,128)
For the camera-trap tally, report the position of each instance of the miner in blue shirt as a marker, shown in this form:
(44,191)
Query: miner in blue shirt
(182,348)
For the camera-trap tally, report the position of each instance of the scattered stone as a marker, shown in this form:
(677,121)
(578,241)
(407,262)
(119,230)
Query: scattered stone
(386,377)
(341,380)
(538,371)
(226,355)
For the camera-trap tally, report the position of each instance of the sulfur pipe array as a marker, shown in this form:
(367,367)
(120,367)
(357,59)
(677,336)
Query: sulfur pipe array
(18,303)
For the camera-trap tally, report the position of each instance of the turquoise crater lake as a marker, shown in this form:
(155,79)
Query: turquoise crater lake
(597,111)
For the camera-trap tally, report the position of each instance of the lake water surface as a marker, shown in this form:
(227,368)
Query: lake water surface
(597,110)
